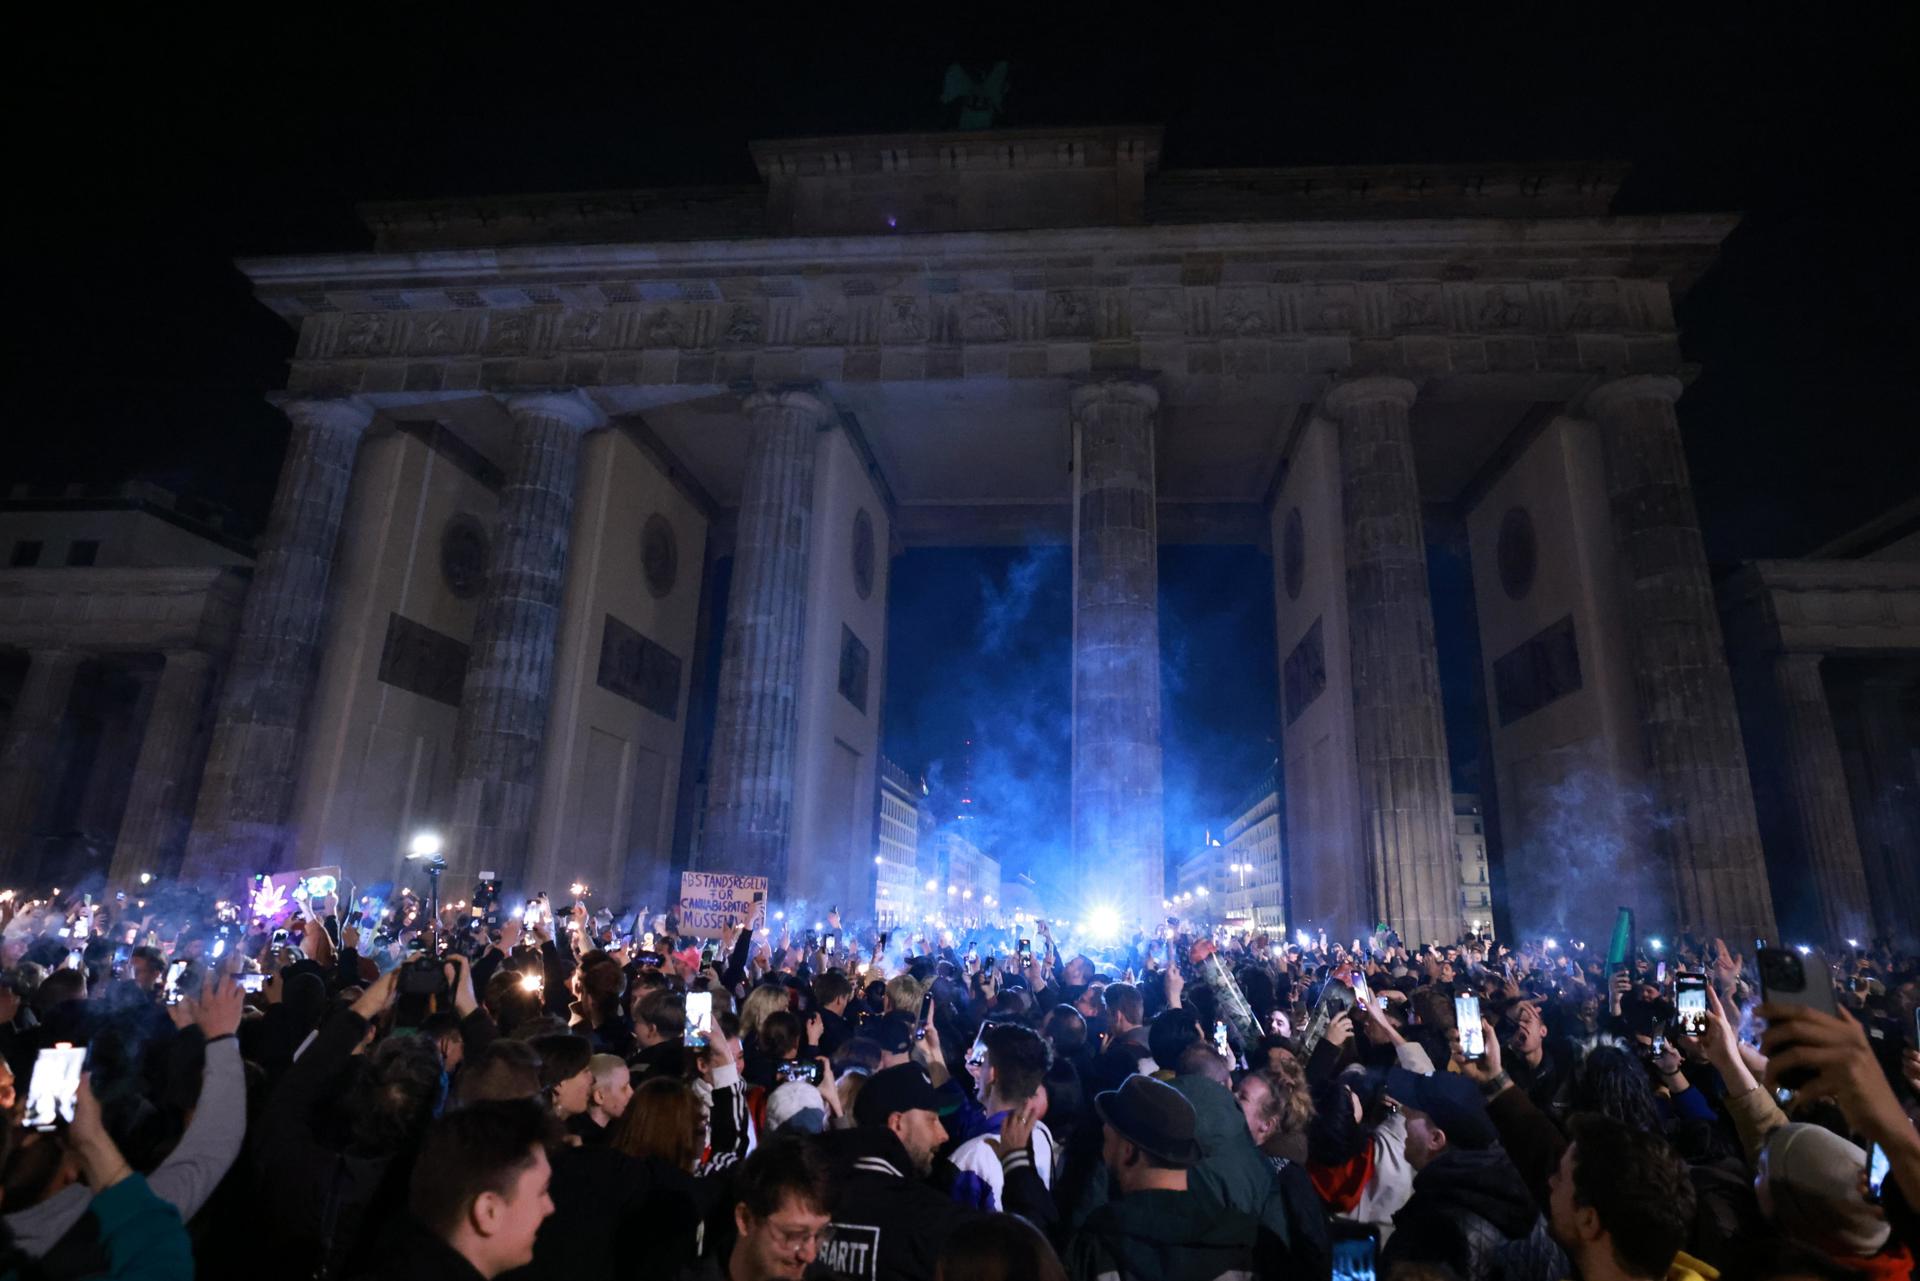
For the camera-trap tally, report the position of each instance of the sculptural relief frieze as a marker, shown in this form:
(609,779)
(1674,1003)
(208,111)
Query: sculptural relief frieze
(1157,311)
(808,315)
(985,319)
(906,320)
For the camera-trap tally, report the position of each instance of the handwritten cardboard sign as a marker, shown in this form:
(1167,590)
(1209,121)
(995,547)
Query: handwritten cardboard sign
(709,900)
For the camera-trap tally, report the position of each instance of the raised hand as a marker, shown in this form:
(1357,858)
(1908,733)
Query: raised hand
(1016,1129)
(461,982)
(216,1010)
(1843,1064)
(378,996)
(1339,1028)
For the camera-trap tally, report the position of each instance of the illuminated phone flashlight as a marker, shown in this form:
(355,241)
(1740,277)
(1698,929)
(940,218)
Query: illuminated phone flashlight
(532,982)
(579,889)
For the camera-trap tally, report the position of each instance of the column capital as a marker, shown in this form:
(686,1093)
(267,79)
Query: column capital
(804,397)
(1137,391)
(348,415)
(570,407)
(1360,391)
(1634,387)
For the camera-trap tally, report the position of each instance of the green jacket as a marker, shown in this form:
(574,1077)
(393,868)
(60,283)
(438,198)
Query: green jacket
(1163,1236)
(1233,1172)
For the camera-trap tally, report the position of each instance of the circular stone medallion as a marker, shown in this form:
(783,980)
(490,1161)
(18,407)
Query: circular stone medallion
(1517,553)
(1293,554)
(863,553)
(659,555)
(463,555)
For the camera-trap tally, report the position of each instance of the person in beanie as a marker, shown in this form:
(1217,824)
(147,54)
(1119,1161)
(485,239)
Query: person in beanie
(1158,1227)
(1470,1210)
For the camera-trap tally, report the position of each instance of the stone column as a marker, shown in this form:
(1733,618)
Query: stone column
(503,704)
(1696,759)
(750,771)
(1816,785)
(156,813)
(27,753)
(246,794)
(1400,741)
(1892,832)
(1119,841)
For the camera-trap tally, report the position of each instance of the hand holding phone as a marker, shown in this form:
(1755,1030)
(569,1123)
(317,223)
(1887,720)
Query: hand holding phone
(55,1086)
(1466,1016)
(699,1028)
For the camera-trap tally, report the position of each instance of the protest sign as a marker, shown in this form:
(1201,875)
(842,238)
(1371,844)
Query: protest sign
(709,900)
(274,897)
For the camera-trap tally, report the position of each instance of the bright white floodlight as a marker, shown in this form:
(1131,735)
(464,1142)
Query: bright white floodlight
(424,845)
(1103,922)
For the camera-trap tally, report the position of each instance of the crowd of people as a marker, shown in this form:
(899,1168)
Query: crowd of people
(542,1095)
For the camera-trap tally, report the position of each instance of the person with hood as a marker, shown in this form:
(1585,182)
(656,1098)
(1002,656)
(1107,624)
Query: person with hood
(1294,1240)
(1470,1210)
(1809,1179)
(1161,1226)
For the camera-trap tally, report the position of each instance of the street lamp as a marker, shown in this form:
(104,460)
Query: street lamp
(424,849)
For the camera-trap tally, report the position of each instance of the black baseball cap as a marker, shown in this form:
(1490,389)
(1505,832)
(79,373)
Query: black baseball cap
(903,1088)
(1454,1103)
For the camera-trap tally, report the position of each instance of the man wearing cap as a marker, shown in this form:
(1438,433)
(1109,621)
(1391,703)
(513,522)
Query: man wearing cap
(1158,1228)
(888,1222)
(1470,1210)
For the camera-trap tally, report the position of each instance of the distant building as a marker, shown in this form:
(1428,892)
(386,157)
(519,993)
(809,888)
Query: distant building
(965,886)
(118,607)
(1256,885)
(896,858)
(1470,844)
(1198,875)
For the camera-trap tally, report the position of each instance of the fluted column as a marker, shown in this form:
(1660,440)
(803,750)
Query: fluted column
(1400,741)
(1816,785)
(1892,810)
(27,754)
(1709,835)
(750,777)
(502,724)
(156,814)
(246,793)
(1119,842)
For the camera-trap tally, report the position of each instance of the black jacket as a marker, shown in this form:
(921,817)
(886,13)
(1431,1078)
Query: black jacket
(418,1255)
(890,1226)
(1472,1212)
(605,1205)
(326,1202)
(1163,1236)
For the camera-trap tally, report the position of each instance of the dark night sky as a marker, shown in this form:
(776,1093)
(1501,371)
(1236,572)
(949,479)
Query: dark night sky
(149,152)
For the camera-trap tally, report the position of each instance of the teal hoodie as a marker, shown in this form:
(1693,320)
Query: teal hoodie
(1233,1172)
